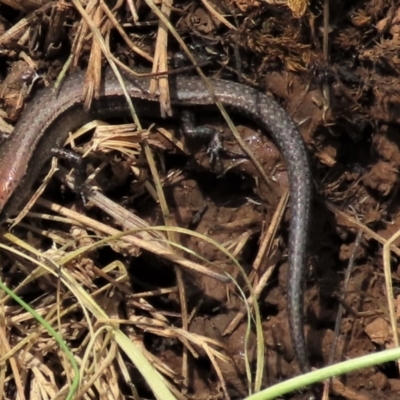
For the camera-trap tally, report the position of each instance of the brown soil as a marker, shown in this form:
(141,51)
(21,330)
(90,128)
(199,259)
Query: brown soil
(348,112)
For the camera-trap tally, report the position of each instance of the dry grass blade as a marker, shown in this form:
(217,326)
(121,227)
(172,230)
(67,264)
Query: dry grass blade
(152,246)
(20,28)
(90,305)
(389,288)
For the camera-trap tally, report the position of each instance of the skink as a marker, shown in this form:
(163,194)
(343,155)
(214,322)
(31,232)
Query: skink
(49,117)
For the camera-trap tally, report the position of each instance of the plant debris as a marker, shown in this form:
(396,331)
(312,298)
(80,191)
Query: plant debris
(127,297)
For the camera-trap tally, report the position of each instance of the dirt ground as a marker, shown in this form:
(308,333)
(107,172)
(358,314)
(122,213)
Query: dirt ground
(347,108)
